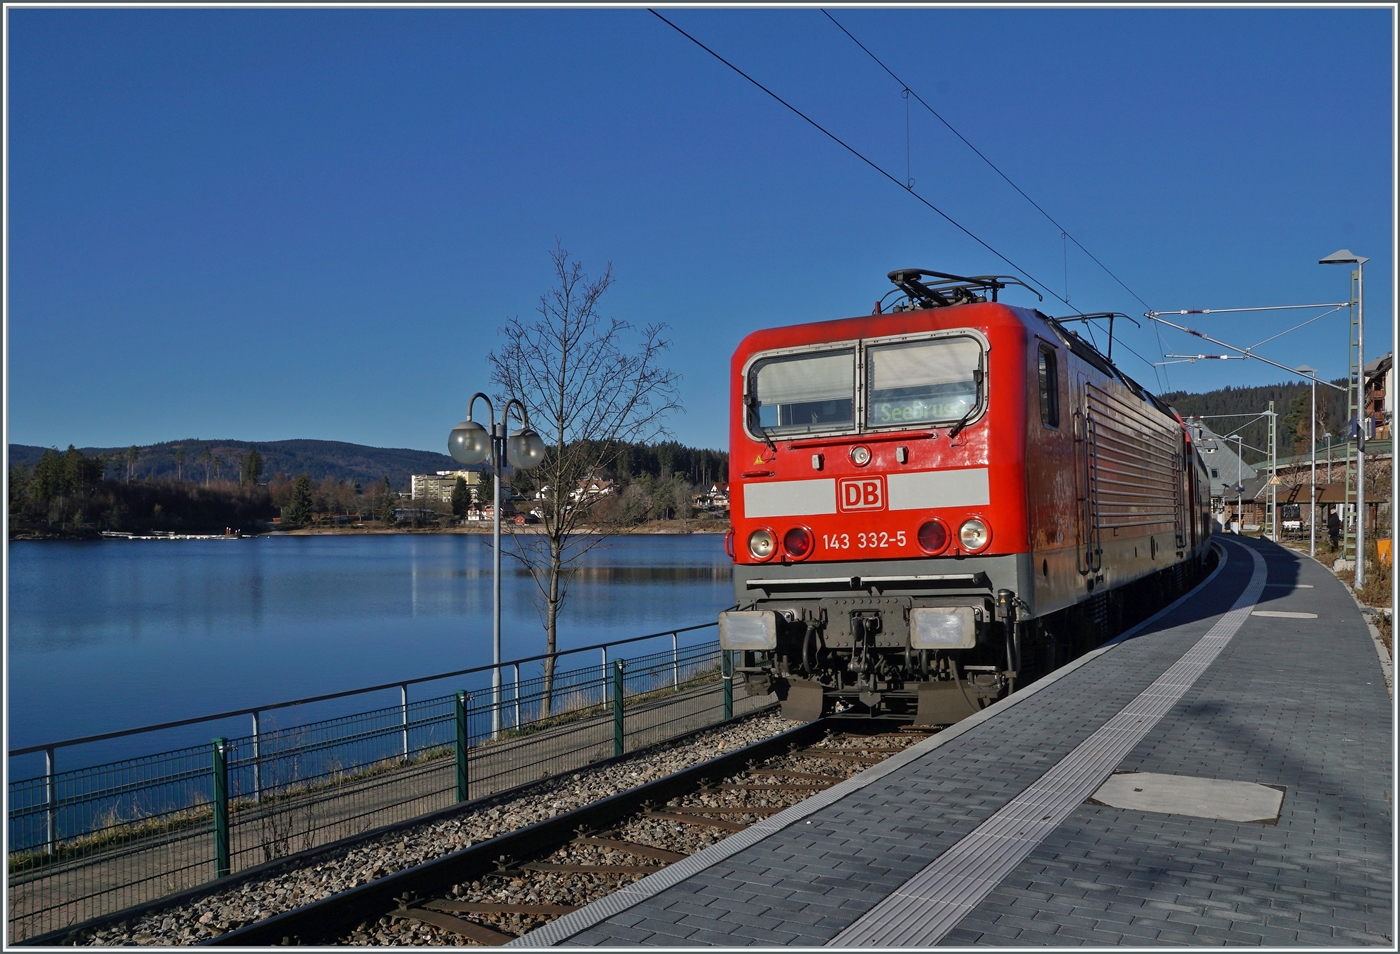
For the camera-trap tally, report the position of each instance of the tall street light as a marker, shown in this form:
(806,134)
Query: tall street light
(1347,257)
(1312,452)
(1239,481)
(471,444)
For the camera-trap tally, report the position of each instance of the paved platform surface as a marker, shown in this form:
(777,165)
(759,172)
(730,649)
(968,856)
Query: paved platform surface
(984,834)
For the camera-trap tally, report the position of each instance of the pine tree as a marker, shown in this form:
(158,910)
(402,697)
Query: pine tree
(461,497)
(250,467)
(297,513)
(387,501)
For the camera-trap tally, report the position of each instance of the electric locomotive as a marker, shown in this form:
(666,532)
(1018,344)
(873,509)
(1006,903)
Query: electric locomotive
(933,501)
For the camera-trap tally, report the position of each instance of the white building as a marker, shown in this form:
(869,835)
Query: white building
(439,486)
(1225,468)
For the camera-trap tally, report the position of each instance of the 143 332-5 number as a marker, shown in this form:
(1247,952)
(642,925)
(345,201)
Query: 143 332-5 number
(863,541)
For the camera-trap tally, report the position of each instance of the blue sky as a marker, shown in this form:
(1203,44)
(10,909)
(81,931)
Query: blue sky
(270,224)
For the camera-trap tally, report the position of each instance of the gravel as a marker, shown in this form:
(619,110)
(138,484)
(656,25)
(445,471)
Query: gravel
(222,911)
(580,889)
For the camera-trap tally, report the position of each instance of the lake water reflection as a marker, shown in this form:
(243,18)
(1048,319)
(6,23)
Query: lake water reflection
(116,634)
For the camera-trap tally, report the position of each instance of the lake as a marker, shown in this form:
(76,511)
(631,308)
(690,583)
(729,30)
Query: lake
(117,634)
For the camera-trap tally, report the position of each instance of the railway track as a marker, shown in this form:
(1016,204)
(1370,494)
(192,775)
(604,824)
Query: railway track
(494,891)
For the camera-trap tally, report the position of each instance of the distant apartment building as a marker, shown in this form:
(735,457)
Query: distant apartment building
(1380,388)
(439,486)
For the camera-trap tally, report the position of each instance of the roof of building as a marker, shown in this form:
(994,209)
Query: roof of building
(1223,466)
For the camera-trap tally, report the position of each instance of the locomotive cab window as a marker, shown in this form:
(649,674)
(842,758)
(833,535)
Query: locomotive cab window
(1049,389)
(922,382)
(803,394)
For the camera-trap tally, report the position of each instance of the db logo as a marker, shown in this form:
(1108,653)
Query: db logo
(861,493)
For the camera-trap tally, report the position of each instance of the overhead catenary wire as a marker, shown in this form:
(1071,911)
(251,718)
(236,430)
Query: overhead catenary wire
(863,158)
(1295,327)
(1063,231)
(1156,317)
(882,171)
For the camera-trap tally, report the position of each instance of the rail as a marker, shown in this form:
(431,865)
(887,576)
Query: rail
(88,842)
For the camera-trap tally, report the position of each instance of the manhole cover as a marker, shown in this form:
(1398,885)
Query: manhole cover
(1184,795)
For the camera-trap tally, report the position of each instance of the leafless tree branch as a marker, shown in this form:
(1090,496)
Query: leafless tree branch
(589,383)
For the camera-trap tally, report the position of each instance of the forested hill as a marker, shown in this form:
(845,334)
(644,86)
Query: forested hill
(1290,402)
(356,462)
(319,459)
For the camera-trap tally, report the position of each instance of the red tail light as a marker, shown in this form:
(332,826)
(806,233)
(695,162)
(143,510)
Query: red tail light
(798,542)
(933,536)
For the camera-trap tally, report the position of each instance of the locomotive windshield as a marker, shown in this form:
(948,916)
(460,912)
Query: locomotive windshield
(920,382)
(804,394)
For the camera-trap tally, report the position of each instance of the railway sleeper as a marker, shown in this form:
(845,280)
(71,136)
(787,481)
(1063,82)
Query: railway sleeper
(632,848)
(479,933)
(490,907)
(698,820)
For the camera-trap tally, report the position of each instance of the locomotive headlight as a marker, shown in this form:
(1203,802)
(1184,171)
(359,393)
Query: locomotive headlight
(762,544)
(943,627)
(748,629)
(860,455)
(973,534)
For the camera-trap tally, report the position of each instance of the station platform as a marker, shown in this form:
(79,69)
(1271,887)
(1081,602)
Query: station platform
(1222,773)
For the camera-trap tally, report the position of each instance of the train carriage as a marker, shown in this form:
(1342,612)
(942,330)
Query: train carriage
(934,501)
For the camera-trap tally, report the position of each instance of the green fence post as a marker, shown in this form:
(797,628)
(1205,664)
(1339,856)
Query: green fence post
(617,708)
(221,864)
(726,670)
(461,719)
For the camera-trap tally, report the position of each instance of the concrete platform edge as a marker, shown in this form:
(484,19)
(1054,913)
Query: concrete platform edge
(599,911)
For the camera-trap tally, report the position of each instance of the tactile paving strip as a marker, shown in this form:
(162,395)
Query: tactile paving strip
(930,904)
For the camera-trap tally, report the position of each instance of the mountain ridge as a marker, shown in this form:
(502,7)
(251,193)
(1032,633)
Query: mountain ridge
(339,460)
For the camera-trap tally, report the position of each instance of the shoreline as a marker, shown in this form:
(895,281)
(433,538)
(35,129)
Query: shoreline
(661,528)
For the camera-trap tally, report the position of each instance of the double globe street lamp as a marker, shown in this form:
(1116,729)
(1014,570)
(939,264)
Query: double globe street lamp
(471,444)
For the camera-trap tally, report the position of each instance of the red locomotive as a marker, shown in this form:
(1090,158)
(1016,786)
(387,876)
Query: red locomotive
(933,501)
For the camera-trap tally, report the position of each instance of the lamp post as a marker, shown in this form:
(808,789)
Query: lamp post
(470,444)
(1347,257)
(1239,481)
(1312,461)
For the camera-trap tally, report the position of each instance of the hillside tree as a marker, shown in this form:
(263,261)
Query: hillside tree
(387,501)
(133,454)
(590,383)
(251,467)
(297,512)
(461,497)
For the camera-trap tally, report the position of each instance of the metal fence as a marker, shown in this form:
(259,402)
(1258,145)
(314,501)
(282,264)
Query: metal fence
(88,842)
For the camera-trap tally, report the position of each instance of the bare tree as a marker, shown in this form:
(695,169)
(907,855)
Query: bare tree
(589,384)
